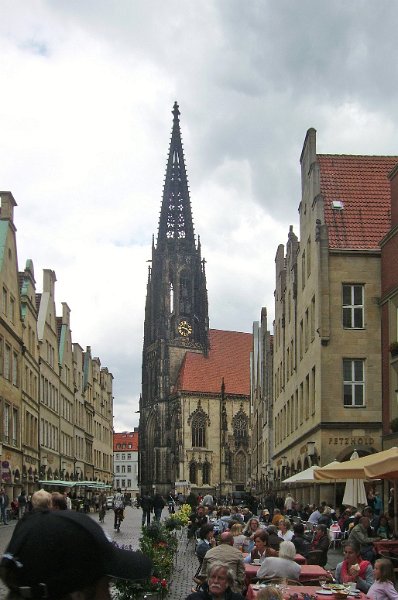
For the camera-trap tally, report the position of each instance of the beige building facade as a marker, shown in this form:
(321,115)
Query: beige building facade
(326,343)
(54,398)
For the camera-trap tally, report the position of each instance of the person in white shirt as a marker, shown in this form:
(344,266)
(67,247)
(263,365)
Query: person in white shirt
(284,530)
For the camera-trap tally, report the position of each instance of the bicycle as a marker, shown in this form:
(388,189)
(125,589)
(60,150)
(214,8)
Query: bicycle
(119,516)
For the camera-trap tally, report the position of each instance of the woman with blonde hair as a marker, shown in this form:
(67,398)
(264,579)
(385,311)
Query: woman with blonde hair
(269,593)
(284,530)
(240,540)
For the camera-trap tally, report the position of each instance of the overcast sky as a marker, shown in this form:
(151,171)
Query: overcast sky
(87,89)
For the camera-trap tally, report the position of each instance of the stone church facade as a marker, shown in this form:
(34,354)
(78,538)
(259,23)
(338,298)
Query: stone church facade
(194,407)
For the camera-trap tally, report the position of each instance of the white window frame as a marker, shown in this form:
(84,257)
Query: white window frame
(354,383)
(352,308)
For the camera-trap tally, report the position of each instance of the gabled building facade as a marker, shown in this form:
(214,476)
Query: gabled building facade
(176,340)
(125,462)
(47,383)
(327,348)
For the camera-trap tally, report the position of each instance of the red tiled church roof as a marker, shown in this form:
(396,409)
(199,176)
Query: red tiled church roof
(361,184)
(228,358)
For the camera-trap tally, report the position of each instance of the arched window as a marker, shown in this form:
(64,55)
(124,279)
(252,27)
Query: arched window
(241,434)
(193,473)
(206,473)
(199,430)
(240,468)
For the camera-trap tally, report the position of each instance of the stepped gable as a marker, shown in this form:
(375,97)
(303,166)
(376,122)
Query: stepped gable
(228,358)
(360,183)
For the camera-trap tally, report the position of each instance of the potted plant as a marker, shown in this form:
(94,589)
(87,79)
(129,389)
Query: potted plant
(394,348)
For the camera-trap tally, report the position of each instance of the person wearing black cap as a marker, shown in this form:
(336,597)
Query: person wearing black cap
(64,555)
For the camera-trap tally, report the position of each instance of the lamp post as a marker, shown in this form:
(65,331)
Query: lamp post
(312,453)
(43,466)
(284,463)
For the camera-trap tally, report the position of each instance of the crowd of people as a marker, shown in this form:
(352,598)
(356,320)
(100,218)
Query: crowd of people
(226,537)
(232,535)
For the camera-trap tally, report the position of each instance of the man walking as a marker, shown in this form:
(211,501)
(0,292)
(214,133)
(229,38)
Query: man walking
(146,505)
(21,504)
(158,506)
(4,501)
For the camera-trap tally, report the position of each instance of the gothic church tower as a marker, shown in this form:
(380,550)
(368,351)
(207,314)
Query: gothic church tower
(176,319)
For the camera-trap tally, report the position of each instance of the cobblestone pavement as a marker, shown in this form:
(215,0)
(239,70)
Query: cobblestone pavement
(186,562)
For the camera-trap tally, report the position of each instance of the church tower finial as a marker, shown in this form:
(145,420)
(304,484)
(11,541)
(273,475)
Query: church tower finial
(175,222)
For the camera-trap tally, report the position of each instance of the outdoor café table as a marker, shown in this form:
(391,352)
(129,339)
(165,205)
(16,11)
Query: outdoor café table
(386,546)
(289,590)
(299,559)
(307,572)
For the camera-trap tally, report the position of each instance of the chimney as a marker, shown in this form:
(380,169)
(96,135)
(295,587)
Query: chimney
(7,207)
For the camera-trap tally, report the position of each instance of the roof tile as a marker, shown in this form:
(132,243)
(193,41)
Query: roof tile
(361,184)
(228,358)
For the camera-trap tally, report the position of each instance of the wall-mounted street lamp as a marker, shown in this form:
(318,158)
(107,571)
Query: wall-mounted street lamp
(43,466)
(312,453)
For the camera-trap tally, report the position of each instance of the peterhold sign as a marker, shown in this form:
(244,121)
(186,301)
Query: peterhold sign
(351,441)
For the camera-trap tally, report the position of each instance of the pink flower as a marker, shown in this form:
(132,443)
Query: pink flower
(163,583)
(154,580)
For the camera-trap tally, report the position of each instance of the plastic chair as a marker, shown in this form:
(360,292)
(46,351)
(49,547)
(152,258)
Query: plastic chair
(335,535)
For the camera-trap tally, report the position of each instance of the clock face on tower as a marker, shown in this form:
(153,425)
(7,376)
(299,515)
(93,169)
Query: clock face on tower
(184,328)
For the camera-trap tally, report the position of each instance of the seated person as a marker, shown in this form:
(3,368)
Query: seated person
(219,586)
(265,516)
(321,542)
(360,534)
(240,540)
(354,569)
(278,516)
(269,593)
(196,519)
(282,565)
(384,530)
(252,526)
(229,556)
(383,588)
(273,538)
(284,530)
(302,545)
(261,547)
(207,541)
(326,517)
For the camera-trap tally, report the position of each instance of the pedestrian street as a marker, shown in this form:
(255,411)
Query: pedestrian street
(185,565)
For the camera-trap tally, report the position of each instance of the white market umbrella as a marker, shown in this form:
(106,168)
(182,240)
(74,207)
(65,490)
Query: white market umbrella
(354,493)
(307,476)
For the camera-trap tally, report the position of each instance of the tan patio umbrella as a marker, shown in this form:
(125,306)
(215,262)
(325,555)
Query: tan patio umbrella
(381,465)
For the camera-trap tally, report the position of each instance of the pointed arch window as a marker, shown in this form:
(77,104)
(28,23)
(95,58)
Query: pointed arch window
(199,423)
(206,473)
(241,427)
(240,468)
(193,473)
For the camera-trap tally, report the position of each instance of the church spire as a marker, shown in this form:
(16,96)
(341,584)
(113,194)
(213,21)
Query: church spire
(175,222)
